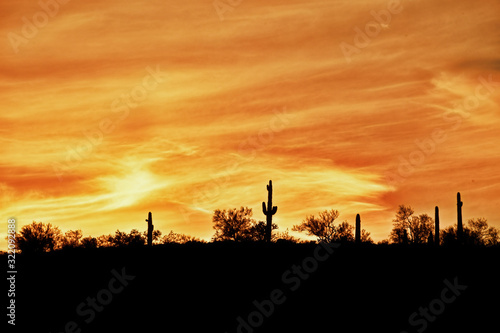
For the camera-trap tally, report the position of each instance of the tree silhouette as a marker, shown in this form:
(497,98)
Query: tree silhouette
(448,235)
(177,238)
(237,225)
(493,237)
(104,240)
(71,239)
(365,237)
(135,238)
(324,228)
(344,232)
(120,238)
(258,231)
(232,224)
(476,232)
(286,237)
(422,227)
(402,223)
(410,229)
(89,242)
(38,237)
(155,236)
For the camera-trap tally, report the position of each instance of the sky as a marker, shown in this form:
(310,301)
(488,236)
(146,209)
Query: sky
(114,109)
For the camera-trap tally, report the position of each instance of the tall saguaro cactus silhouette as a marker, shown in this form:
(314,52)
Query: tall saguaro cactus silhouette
(358,229)
(269,211)
(460,230)
(436,226)
(150,229)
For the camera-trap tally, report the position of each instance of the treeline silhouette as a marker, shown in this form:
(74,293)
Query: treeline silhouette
(237,225)
(39,237)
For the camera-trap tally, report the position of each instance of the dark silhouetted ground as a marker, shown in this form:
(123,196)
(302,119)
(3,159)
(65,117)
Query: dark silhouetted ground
(206,287)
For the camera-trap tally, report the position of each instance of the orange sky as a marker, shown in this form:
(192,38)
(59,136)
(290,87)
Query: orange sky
(282,90)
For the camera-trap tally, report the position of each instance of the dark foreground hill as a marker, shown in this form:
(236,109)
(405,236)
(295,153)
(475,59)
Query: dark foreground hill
(259,288)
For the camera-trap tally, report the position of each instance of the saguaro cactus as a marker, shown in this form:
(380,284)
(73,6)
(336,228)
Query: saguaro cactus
(269,211)
(150,229)
(358,229)
(436,226)
(460,230)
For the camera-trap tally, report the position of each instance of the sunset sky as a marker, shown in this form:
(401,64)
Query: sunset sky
(111,109)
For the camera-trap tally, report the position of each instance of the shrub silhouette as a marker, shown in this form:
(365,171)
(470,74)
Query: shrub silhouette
(38,237)
(476,232)
(237,225)
(324,228)
(410,229)
(480,234)
(120,238)
(258,231)
(89,242)
(71,239)
(365,237)
(285,236)
(177,238)
(155,236)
